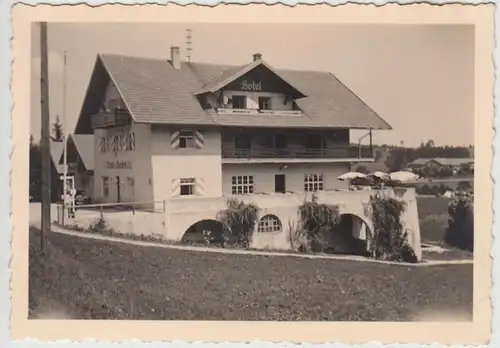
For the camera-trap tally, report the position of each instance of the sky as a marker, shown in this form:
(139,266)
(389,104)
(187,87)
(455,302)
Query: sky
(419,78)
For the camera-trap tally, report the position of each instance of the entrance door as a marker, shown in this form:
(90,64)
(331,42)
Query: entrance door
(118,193)
(279,183)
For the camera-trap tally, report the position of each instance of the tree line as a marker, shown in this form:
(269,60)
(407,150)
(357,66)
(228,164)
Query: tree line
(35,159)
(400,156)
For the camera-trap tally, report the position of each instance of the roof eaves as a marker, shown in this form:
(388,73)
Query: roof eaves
(387,125)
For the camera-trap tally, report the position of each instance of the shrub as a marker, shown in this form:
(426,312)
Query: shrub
(389,241)
(239,220)
(460,232)
(316,220)
(99,225)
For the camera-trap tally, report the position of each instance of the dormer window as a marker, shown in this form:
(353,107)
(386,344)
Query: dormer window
(264,103)
(239,102)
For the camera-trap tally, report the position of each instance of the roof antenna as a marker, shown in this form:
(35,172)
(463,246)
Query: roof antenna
(188,44)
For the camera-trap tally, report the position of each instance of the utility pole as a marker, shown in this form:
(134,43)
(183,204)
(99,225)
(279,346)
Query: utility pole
(45,139)
(65,146)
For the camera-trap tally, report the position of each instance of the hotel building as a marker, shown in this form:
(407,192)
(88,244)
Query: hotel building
(168,129)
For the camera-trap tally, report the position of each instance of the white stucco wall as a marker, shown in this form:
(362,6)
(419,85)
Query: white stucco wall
(170,163)
(140,170)
(294,173)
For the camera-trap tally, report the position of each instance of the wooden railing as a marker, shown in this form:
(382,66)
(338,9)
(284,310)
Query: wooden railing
(229,111)
(344,152)
(107,119)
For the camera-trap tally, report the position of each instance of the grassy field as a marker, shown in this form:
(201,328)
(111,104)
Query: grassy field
(89,279)
(433,216)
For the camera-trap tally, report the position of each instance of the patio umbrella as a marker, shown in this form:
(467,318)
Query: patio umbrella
(380,175)
(351,176)
(403,176)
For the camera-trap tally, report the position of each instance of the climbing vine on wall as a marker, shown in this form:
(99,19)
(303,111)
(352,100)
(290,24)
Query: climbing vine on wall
(390,239)
(239,220)
(316,221)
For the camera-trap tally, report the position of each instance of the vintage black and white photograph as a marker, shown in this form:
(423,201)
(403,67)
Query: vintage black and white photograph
(251,171)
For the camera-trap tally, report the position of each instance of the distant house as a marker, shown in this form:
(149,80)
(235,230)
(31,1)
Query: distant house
(80,161)
(437,163)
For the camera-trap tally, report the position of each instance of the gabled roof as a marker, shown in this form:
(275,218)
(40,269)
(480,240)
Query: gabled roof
(453,161)
(56,149)
(229,75)
(84,145)
(156,93)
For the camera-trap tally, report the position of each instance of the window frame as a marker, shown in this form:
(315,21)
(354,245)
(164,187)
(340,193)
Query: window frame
(187,139)
(269,224)
(105,186)
(190,184)
(265,100)
(242,184)
(242,98)
(314,182)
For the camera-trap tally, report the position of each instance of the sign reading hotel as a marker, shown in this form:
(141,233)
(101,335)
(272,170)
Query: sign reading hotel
(118,165)
(250,86)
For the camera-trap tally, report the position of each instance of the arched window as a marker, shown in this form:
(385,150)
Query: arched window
(269,223)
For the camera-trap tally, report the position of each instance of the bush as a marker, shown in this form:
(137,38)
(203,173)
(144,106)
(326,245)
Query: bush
(99,225)
(316,221)
(389,241)
(460,231)
(239,220)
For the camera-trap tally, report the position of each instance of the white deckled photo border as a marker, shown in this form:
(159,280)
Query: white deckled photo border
(14,323)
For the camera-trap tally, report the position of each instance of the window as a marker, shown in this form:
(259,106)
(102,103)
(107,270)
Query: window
(280,141)
(241,185)
(269,223)
(105,186)
(130,142)
(131,184)
(315,141)
(264,103)
(103,144)
(239,102)
(187,186)
(186,139)
(313,182)
(242,142)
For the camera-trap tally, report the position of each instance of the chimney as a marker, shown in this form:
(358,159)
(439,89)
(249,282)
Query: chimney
(257,56)
(175,57)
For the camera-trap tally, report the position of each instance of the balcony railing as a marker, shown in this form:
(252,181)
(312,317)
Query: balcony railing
(261,153)
(110,119)
(229,111)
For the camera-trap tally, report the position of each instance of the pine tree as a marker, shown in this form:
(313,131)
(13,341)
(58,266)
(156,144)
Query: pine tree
(57,130)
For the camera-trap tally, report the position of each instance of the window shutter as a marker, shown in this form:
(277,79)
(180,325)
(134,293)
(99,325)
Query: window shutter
(200,187)
(199,140)
(176,187)
(174,140)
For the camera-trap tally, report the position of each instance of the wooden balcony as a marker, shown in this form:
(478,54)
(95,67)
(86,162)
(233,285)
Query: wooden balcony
(108,119)
(229,111)
(330,153)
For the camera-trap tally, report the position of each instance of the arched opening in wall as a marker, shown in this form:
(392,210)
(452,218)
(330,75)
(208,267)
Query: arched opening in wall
(351,236)
(269,223)
(206,231)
